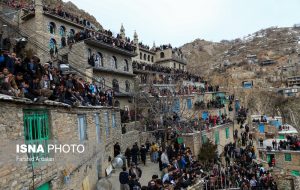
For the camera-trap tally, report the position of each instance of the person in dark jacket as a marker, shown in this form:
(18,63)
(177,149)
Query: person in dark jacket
(143,152)
(134,184)
(117,149)
(128,155)
(124,179)
(134,153)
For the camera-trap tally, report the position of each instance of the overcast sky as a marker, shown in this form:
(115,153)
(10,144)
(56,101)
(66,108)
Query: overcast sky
(181,21)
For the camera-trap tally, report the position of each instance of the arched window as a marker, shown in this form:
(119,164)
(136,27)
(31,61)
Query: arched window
(52,27)
(162,54)
(52,44)
(115,84)
(126,65)
(141,56)
(89,51)
(152,60)
(127,86)
(148,57)
(114,62)
(72,32)
(99,60)
(145,57)
(62,30)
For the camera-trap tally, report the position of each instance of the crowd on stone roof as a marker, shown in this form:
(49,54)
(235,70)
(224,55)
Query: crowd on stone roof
(19,4)
(28,78)
(292,142)
(177,73)
(58,11)
(144,46)
(104,36)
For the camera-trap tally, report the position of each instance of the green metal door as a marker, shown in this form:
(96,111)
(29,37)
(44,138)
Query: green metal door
(36,131)
(268,158)
(45,186)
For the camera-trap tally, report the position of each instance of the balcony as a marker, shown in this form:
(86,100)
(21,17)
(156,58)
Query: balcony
(108,46)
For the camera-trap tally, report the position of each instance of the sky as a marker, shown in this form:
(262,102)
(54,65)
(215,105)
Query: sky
(181,21)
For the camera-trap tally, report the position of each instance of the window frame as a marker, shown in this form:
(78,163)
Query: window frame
(287,157)
(98,127)
(106,123)
(36,121)
(85,135)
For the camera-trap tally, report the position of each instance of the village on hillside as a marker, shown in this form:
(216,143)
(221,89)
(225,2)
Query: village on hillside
(84,108)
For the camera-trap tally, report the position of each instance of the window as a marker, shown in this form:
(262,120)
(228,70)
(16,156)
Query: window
(227,133)
(145,57)
(99,60)
(52,27)
(89,51)
(52,44)
(288,157)
(148,57)
(152,59)
(36,130)
(179,66)
(141,56)
(126,65)
(113,120)
(114,62)
(106,122)
(62,31)
(98,130)
(72,32)
(127,86)
(174,65)
(115,85)
(82,128)
(217,137)
(189,103)
(162,54)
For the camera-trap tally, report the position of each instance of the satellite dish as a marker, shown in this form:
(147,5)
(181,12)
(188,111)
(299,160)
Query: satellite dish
(118,161)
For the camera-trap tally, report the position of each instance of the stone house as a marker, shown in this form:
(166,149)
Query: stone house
(21,121)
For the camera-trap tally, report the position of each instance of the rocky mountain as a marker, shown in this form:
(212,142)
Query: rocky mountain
(259,56)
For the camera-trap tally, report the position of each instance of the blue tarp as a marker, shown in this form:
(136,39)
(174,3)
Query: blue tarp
(275,123)
(237,105)
(261,128)
(204,115)
(189,103)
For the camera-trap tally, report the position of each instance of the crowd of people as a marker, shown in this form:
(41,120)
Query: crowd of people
(58,11)
(214,120)
(176,74)
(19,4)
(178,166)
(290,143)
(30,79)
(101,36)
(241,169)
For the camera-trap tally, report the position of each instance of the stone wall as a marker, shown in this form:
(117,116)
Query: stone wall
(221,130)
(63,126)
(193,140)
